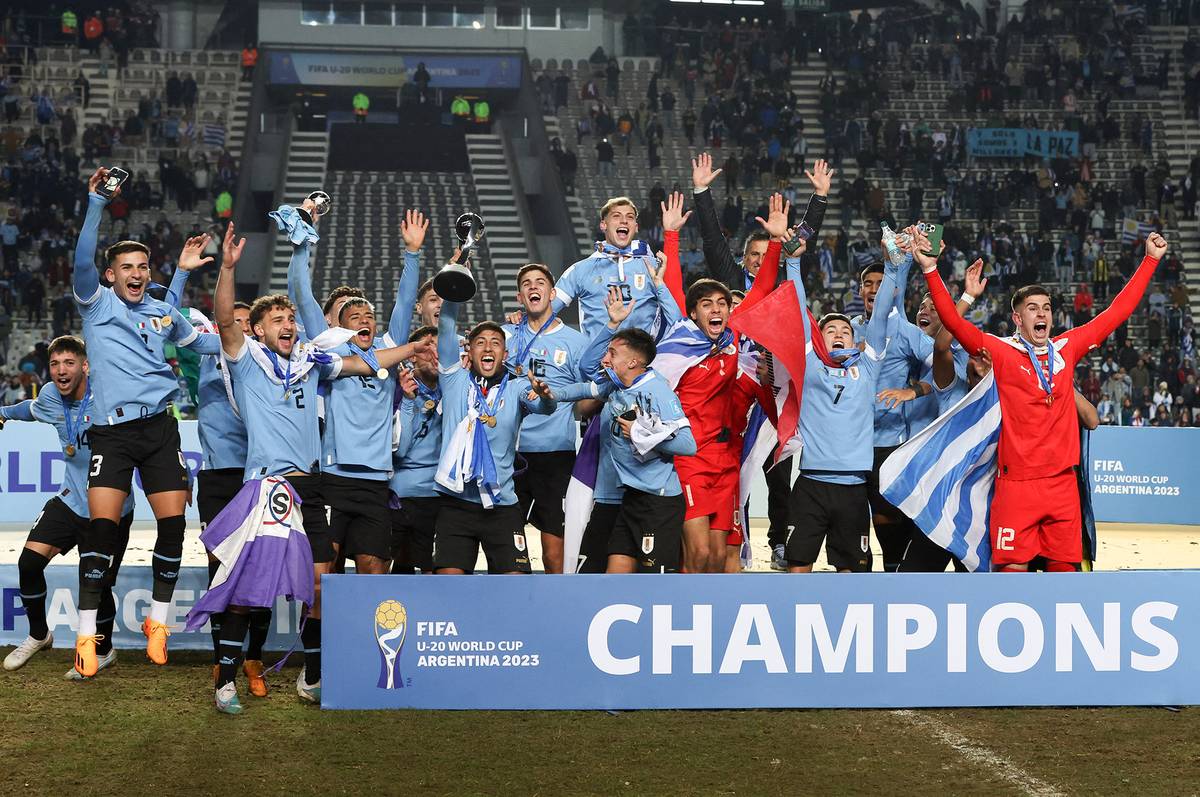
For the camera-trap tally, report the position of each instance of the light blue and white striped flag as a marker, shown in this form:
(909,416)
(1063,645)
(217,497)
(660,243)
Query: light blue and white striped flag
(945,476)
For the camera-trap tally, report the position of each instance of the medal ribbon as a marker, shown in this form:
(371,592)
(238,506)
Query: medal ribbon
(1047,383)
(425,393)
(75,424)
(523,352)
(368,355)
(284,376)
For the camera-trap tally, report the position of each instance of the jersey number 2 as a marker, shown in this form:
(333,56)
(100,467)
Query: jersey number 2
(300,399)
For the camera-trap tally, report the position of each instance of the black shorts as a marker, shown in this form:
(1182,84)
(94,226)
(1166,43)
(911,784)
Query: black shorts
(359,519)
(149,444)
(462,526)
(836,514)
(215,489)
(649,528)
(413,525)
(879,504)
(61,528)
(593,548)
(312,512)
(542,486)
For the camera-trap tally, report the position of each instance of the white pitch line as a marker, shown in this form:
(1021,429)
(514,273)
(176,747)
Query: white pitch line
(984,757)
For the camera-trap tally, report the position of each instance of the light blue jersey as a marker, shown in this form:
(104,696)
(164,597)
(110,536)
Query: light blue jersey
(837,444)
(222,433)
(650,393)
(129,372)
(53,408)
(958,388)
(587,282)
(908,351)
(358,409)
(554,357)
(511,405)
(924,410)
(284,435)
(415,460)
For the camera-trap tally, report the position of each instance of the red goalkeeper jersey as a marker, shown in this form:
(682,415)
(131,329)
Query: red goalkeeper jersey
(1039,439)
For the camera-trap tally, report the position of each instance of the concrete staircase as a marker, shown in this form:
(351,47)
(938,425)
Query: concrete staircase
(307,157)
(579,215)
(1182,140)
(103,87)
(236,135)
(505,239)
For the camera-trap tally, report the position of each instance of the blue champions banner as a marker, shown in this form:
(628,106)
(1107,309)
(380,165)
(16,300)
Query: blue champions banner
(132,595)
(748,641)
(31,470)
(390,70)
(1016,142)
(1145,475)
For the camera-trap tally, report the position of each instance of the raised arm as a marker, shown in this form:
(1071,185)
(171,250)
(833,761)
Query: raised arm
(970,336)
(232,337)
(768,272)
(449,352)
(175,289)
(299,280)
(721,262)
(1107,320)
(876,331)
(191,258)
(943,357)
(673,219)
(85,278)
(413,228)
(821,178)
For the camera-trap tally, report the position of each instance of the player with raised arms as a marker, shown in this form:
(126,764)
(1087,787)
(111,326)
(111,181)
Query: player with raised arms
(63,522)
(482,409)
(1035,510)
(356,461)
(132,426)
(273,379)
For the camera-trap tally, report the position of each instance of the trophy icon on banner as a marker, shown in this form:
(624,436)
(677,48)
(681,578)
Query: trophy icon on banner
(454,282)
(391,623)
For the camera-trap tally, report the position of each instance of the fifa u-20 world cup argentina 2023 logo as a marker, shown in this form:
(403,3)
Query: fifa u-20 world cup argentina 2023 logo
(391,623)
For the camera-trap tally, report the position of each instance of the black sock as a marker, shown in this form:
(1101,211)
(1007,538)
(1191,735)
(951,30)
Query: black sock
(31,576)
(95,558)
(233,636)
(260,626)
(105,619)
(168,553)
(310,637)
(214,620)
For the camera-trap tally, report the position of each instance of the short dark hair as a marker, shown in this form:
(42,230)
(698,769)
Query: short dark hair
(425,288)
(484,326)
(705,287)
(354,301)
(757,235)
(241,306)
(828,317)
(640,341)
(420,333)
(528,267)
(873,268)
(340,292)
(1022,294)
(265,304)
(736,294)
(121,247)
(71,344)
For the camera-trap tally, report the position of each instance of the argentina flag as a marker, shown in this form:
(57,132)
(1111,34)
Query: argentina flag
(945,476)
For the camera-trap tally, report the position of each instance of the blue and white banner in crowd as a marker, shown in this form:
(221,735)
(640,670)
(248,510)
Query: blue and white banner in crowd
(1016,142)
(747,641)
(390,70)
(31,470)
(132,595)
(1146,474)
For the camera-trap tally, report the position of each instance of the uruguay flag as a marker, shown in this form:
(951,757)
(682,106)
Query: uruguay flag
(945,476)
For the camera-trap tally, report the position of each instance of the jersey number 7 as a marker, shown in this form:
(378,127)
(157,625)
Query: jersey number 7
(839,389)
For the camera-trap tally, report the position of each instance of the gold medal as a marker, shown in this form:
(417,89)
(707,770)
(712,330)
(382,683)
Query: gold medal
(519,370)
(381,373)
(1049,399)
(69,450)
(430,404)
(490,420)
(166,321)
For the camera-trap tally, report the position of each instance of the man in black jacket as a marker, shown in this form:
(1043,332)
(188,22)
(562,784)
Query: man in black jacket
(740,276)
